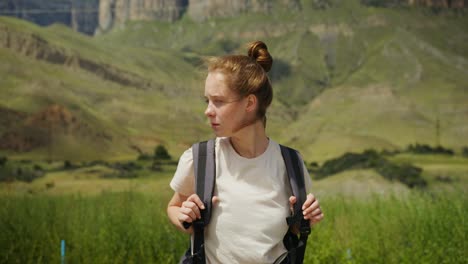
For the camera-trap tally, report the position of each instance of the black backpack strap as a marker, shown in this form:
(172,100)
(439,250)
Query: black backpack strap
(294,168)
(205,177)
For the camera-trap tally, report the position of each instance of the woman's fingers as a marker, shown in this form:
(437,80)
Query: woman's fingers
(194,198)
(186,215)
(215,200)
(310,199)
(190,209)
(311,209)
(314,206)
(315,213)
(292,201)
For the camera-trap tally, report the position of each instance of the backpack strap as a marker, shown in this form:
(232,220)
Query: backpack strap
(294,168)
(205,177)
(205,174)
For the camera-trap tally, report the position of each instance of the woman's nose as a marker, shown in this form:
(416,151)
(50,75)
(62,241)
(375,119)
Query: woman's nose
(209,110)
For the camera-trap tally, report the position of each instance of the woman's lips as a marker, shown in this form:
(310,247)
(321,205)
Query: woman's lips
(214,125)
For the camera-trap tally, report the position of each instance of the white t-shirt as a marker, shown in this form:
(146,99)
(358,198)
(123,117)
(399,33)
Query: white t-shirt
(249,222)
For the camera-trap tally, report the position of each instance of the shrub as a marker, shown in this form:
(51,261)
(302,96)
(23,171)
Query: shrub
(96,162)
(368,159)
(313,166)
(128,166)
(3,161)
(128,170)
(160,153)
(18,173)
(426,149)
(465,151)
(67,165)
(383,3)
(156,165)
(406,173)
(144,156)
(6,174)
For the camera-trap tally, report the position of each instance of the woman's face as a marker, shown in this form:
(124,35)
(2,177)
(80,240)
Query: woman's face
(226,110)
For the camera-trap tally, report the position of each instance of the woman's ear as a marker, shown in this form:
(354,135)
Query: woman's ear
(251,103)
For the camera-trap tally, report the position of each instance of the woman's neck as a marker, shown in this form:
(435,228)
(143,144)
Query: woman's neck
(251,141)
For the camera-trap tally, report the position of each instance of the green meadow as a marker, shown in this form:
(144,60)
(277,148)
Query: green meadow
(111,219)
(131,227)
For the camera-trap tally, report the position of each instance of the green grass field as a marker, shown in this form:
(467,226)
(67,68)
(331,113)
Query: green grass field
(367,218)
(131,227)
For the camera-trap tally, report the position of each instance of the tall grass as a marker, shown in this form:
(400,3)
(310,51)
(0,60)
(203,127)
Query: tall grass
(421,228)
(124,227)
(131,227)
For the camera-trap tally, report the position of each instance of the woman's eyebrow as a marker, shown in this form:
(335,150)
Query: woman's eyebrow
(214,97)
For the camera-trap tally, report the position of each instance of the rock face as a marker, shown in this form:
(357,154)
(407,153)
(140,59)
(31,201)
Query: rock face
(200,10)
(115,12)
(81,15)
(90,16)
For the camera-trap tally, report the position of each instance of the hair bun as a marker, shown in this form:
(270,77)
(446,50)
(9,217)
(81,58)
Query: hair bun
(259,51)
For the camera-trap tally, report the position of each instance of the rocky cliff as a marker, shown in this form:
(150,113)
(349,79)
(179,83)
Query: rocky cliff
(116,12)
(200,10)
(81,15)
(90,16)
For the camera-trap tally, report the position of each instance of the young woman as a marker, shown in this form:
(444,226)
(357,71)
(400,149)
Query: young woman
(252,194)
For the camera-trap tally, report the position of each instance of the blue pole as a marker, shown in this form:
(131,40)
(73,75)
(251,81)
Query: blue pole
(62,246)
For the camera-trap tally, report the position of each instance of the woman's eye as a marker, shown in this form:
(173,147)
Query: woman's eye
(216,102)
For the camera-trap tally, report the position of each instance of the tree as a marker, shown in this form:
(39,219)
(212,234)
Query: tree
(160,153)
(3,160)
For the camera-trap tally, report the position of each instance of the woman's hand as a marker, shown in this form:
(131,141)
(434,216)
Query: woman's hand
(189,210)
(183,208)
(310,209)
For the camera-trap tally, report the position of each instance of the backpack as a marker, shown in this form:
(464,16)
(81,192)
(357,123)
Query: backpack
(205,177)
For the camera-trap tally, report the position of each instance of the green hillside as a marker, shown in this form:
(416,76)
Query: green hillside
(346,78)
(136,98)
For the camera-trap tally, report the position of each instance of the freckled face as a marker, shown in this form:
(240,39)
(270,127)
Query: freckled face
(225,109)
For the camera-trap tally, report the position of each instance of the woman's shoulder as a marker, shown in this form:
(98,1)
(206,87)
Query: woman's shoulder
(186,157)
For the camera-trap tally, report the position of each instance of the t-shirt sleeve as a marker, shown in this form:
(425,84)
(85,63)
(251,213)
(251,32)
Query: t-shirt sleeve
(184,179)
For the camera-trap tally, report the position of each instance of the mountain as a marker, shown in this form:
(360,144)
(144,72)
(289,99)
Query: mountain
(126,97)
(100,16)
(81,15)
(346,78)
